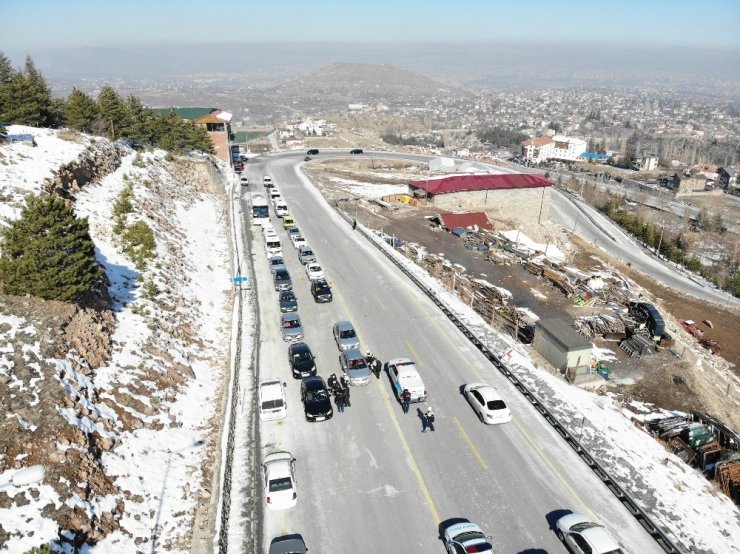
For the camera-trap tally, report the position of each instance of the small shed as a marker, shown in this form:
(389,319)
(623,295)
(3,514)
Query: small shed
(564,347)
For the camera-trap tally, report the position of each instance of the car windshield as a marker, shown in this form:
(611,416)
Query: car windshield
(282,484)
(307,253)
(578,527)
(291,324)
(347,334)
(469,536)
(272,404)
(302,357)
(480,547)
(316,396)
(288,298)
(277,261)
(496,405)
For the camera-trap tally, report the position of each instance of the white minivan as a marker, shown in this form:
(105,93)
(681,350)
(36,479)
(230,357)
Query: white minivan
(281,209)
(273,247)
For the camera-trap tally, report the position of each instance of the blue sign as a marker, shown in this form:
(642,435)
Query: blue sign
(240,279)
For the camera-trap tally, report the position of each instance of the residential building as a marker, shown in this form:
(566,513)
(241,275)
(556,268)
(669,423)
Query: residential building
(558,147)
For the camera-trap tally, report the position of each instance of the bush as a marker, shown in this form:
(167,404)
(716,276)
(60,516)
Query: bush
(124,204)
(139,244)
(48,252)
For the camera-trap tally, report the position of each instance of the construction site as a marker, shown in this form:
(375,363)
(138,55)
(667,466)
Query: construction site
(638,349)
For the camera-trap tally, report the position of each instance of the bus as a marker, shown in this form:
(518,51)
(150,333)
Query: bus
(260,210)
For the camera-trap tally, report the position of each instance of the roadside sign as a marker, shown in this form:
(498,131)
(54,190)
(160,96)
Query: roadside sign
(241,282)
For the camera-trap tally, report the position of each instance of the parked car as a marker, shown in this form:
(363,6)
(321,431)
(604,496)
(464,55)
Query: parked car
(273,404)
(356,151)
(294,231)
(305,254)
(312,152)
(467,537)
(291,327)
(487,403)
(345,335)
(404,376)
(288,222)
(314,271)
(353,363)
(244,180)
(243,158)
(267,180)
(321,291)
(582,536)
(275,263)
(288,301)
(281,210)
(288,545)
(280,484)
(298,241)
(315,398)
(281,279)
(301,360)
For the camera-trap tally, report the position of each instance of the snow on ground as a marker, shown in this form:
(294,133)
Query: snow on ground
(23,167)
(157,466)
(523,242)
(602,354)
(679,498)
(367,190)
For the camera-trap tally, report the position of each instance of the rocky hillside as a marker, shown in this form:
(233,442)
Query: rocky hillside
(116,399)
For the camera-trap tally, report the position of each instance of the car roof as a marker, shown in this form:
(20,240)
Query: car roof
(314,382)
(289,317)
(304,248)
(462,527)
(279,258)
(353,353)
(289,546)
(297,347)
(343,325)
(271,389)
(282,271)
(287,293)
(486,391)
(396,361)
(600,539)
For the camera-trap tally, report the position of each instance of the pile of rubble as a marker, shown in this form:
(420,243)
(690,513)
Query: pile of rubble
(702,442)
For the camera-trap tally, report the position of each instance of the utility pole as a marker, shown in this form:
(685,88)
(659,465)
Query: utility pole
(660,240)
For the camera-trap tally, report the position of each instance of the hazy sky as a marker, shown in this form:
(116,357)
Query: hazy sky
(35,24)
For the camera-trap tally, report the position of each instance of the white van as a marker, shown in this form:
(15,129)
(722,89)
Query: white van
(267,180)
(273,246)
(281,209)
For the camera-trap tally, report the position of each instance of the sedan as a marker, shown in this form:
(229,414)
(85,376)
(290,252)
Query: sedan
(291,327)
(288,302)
(281,280)
(275,263)
(487,403)
(314,271)
(298,241)
(582,536)
(404,376)
(465,537)
(301,360)
(273,404)
(305,254)
(294,231)
(289,545)
(315,398)
(321,291)
(280,485)
(345,336)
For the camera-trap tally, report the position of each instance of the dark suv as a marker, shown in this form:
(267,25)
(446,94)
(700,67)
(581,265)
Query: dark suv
(321,291)
(313,152)
(356,151)
(315,398)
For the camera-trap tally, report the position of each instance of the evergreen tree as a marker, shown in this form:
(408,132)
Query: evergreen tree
(6,69)
(48,252)
(80,111)
(141,120)
(25,98)
(113,113)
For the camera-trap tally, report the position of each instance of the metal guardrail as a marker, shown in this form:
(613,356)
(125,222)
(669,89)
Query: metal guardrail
(638,513)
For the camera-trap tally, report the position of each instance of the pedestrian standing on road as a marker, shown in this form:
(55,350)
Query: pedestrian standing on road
(344,380)
(354,224)
(339,400)
(428,420)
(333,382)
(405,400)
(345,392)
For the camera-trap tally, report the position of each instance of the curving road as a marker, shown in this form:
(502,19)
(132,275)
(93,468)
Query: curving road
(369,481)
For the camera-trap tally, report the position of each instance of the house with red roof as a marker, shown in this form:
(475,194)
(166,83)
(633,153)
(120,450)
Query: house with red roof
(521,196)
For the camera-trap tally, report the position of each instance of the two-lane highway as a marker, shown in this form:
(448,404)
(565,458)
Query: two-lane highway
(369,480)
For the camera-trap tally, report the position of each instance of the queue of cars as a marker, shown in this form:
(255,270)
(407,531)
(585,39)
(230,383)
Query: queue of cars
(576,531)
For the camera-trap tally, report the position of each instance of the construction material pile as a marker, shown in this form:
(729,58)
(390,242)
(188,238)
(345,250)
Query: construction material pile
(600,325)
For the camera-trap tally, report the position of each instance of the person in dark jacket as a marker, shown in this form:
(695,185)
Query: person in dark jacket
(405,400)
(428,420)
(333,382)
(345,392)
(339,399)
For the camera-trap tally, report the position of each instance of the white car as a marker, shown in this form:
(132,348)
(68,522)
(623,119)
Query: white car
(314,271)
(273,404)
(266,180)
(277,199)
(274,194)
(466,537)
(404,376)
(281,210)
(487,403)
(581,535)
(298,240)
(280,485)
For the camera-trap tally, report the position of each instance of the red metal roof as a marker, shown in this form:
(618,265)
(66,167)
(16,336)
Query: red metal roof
(466,220)
(459,183)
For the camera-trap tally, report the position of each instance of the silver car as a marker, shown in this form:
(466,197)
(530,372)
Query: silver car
(291,327)
(305,254)
(345,335)
(275,263)
(353,363)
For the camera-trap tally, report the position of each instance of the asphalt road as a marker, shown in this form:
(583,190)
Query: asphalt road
(369,480)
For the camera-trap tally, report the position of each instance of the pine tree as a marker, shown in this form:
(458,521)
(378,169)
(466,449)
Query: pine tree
(141,120)
(6,69)
(80,111)
(113,112)
(26,98)
(48,252)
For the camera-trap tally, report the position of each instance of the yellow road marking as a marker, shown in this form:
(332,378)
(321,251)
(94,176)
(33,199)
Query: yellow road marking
(553,469)
(407,449)
(415,353)
(378,301)
(470,444)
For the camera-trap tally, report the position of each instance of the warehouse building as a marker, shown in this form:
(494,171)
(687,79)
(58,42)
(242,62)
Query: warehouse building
(565,348)
(521,196)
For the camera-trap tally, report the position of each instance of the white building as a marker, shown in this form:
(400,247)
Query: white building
(558,147)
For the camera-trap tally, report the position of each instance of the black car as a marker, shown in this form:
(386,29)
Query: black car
(313,152)
(315,398)
(321,291)
(307,159)
(301,360)
(356,151)
(288,302)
